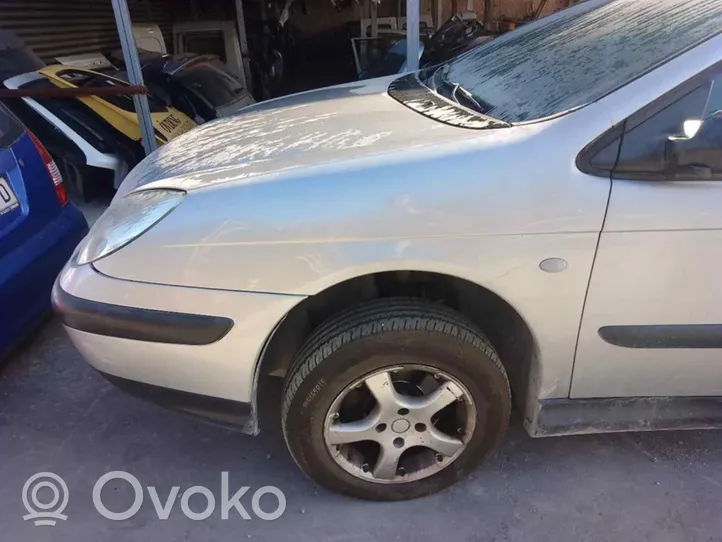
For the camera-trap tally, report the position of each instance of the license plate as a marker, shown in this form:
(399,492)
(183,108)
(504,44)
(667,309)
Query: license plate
(8,201)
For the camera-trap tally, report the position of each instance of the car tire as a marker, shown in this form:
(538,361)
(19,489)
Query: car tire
(408,337)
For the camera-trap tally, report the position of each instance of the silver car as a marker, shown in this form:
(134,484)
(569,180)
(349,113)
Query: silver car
(537,222)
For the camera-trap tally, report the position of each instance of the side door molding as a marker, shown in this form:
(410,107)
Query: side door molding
(664,336)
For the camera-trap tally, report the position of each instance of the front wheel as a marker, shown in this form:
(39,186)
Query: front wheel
(394,399)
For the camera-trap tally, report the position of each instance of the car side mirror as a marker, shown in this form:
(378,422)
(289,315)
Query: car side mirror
(698,153)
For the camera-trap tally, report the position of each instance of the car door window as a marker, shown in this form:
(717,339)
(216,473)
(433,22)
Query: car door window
(677,137)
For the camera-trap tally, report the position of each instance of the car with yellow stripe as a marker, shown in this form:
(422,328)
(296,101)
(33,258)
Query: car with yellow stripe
(119,110)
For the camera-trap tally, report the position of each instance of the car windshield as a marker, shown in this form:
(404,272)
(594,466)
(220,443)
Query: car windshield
(578,55)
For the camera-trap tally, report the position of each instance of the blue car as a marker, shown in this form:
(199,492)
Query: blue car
(39,230)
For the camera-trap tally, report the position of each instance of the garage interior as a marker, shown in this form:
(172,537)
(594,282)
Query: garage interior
(312,37)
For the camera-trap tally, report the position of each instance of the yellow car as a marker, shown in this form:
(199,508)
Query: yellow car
(119,111)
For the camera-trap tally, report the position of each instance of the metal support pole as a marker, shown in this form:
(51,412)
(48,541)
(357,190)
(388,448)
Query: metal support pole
(135,76)
(487,15)
(243,39)
(412,35)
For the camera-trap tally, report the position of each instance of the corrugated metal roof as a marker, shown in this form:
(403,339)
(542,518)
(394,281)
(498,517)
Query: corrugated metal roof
(54,29)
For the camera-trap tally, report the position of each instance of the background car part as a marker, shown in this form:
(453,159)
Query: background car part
(198,85)
(218,38)
(15,56)
(119,110)
(457,35)
(87,149)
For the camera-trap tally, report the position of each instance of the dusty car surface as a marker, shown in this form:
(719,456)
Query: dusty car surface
(537,219)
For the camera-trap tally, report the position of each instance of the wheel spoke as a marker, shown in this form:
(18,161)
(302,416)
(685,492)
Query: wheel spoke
(399,420)
(443,443)
(346,433)
(388,462)
(443,396)
(382,388)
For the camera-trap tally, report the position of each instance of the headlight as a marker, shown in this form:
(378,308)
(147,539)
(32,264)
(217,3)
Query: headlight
(125,220)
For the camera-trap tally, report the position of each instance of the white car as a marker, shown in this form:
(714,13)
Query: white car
(540,218)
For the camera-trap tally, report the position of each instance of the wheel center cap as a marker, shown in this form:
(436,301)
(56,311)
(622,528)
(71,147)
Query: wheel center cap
(400,426)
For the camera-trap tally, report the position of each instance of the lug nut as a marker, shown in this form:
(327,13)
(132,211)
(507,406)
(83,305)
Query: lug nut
(420,427)
(403,411)
(399,442)
(380,428)
(439,457)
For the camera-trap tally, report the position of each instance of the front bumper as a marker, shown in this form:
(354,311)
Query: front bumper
(160,341)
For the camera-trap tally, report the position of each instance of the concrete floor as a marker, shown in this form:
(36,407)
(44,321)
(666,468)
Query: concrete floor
(58,415)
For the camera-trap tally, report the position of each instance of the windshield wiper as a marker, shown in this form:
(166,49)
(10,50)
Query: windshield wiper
(469,98)
(440,84)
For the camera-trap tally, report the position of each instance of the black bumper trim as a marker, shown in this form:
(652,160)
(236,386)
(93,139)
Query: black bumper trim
(225,412)
(138,324)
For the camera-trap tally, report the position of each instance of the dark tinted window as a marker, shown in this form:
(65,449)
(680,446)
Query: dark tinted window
(205,43)
(10,128)
(389,64)
(580,54)
(212,82)
(17,59)
(647,150)
(643,145)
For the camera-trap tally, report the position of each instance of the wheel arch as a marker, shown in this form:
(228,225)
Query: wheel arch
(505,327)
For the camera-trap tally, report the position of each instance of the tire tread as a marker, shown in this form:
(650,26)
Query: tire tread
(378,317)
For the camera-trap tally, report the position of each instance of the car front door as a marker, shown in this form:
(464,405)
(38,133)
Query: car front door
(652,322)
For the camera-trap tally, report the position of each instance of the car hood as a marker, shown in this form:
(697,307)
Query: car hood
(341,123)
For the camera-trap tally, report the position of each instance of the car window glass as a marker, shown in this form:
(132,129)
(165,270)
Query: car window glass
(647,144)
(211,82)
(580,54)
(10,128)
(714,103)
